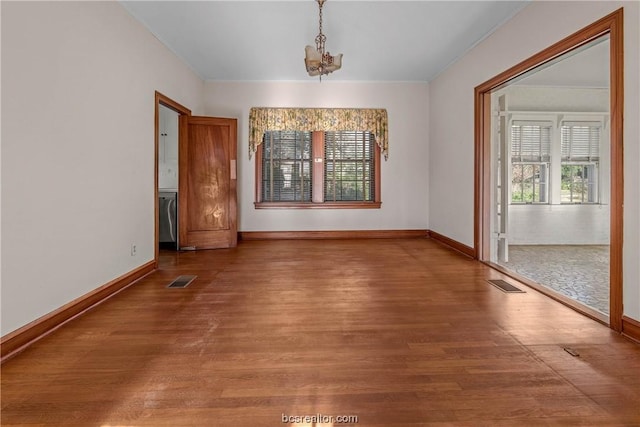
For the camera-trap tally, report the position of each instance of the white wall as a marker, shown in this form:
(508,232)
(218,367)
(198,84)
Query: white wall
(167,148)
(404,176)
(558,225)
(78,82)
(0,170)
(451,137)
(632,162)
(558,99)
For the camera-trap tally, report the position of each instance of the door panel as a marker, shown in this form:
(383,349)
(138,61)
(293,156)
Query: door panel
(207,185)
(209,176)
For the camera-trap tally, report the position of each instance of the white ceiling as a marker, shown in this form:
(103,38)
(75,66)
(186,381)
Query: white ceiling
(265,40)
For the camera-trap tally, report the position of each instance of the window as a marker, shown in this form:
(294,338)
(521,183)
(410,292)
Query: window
(578,183)
(286,167)
(529,183)
(318,169)
(580,151)
(530,158)
(349,166)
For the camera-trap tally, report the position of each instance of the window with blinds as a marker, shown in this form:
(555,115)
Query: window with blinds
(530,158)
(300,169)
(349,166)
(286,166)
(530,141)
(580,141)
(580,155)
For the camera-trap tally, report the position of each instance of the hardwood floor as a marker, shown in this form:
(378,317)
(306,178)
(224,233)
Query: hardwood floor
(398,332)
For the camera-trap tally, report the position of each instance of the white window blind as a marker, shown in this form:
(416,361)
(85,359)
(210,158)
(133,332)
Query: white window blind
(530,141)
(580,141)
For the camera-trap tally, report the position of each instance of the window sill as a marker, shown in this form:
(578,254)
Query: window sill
(325,205)
(579,203)
(557,204)
(529,203)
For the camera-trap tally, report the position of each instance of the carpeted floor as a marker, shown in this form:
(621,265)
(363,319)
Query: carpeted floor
(579,272)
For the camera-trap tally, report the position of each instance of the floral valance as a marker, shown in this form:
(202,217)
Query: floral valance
(318,119)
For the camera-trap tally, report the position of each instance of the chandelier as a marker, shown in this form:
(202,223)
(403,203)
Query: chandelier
(317,61)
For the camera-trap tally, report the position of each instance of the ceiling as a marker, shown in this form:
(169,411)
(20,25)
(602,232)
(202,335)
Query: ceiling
(265,40)
(587,66)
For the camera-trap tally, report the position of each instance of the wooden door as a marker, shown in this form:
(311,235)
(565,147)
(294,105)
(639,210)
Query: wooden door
(207,183)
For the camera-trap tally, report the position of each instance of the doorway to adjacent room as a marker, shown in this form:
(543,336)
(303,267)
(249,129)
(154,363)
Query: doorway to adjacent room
(549,171)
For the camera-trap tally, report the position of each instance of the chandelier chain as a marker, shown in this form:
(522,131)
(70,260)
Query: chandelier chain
(321,38)
(320,3)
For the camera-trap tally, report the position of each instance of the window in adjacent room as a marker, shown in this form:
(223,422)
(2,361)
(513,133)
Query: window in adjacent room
(580,147)
(530,158)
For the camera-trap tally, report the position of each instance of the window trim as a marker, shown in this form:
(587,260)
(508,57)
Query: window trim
(317,142)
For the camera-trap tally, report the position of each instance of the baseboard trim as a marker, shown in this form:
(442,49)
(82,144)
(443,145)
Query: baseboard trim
(453,244)
(337,234)
(16,341)
(631,328)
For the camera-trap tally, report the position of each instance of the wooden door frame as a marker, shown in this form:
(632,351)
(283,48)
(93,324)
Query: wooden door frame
(612,25)
(161,99)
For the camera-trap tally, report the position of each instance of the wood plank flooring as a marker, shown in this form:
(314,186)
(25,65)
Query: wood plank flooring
(396,332)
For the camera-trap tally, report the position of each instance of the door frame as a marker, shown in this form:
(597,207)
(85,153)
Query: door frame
(612,25)
(161,99)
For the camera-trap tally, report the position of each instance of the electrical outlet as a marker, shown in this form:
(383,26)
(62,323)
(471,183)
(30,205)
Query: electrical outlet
(133,250)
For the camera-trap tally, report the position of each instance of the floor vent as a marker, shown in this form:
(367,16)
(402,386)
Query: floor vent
(505,286)
(571,351)
(182,282)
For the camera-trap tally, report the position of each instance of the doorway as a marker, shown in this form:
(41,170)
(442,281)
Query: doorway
(164,176)
(206,180)
(551,176)
(526,175)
